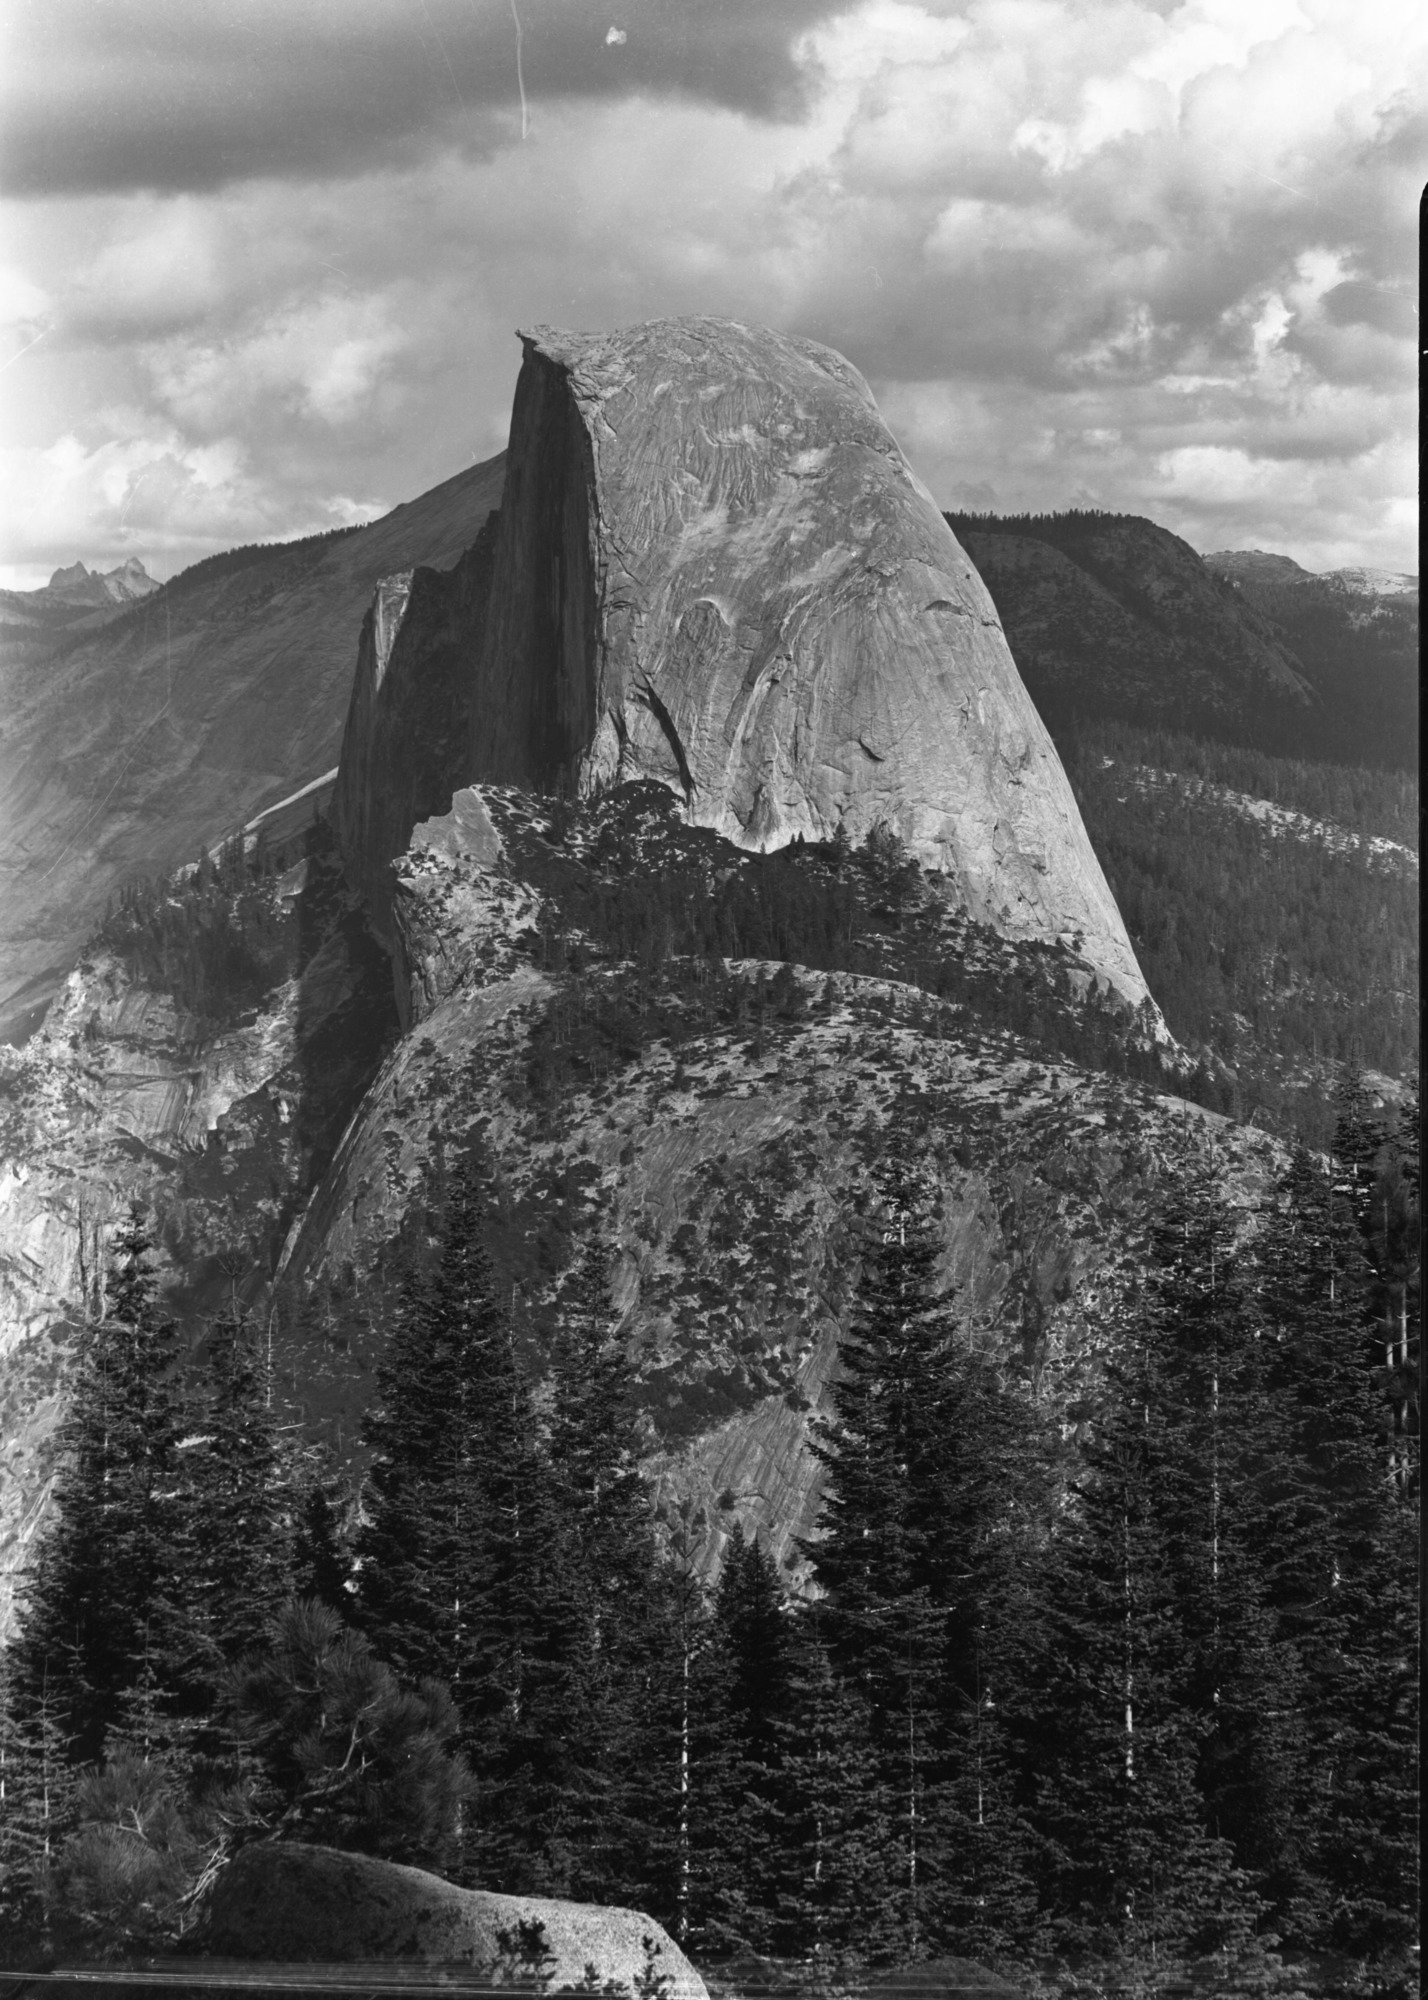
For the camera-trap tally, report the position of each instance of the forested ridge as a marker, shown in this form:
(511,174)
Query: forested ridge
(1126,1697)
(1289,959)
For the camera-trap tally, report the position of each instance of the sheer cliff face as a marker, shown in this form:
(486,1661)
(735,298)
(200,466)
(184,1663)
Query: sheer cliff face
(714,567)
(404,745)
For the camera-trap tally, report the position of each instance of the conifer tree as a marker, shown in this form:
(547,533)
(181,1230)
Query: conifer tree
(753,1648)
(877,1556)
(459,1563)
(599,1840)
(37,1801)
(685,1750)
(989,1489)
(834,1910)
(351,1755)
(1130,1873)
(237,1506)
(322,1563)
(1233,1530)
(1348,1598)
(100,1616)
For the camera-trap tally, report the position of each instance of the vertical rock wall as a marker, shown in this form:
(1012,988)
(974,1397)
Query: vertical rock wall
(404,747)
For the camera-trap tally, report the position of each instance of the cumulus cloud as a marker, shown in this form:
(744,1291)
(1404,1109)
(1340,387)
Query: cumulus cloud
(1140,254)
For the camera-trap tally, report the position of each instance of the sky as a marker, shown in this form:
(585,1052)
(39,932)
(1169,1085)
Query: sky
(262,262)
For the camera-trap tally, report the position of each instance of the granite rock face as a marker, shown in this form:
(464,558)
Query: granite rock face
(319,1905)
(404,745)
(714,567)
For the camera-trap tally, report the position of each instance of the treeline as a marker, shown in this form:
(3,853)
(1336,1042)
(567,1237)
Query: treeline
(229,562)
(1131,1694)
(1069,525)
(1286,958)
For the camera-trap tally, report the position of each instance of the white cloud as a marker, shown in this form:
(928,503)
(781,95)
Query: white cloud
(322,360)
(134,488)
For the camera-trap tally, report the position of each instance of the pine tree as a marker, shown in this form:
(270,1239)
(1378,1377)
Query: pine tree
(684,1753)
(877,1556)
(833,1910)
(237,1494)
(985,1506)
(610,1571)
(458,1564)
(1234,1531)
(37,1804)
(1349,1598)
(351,1755)
(322,1562)
(1131,1874)
(752,1652)
(101,1616)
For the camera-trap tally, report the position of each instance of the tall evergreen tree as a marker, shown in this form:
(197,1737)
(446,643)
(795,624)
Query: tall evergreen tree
(1131,1874)
(1348,1598)
(753,1655)
(876,1556)
(37,1801)
(458,1564)
(1234,1531)
(833,1909)
(237,1489)
(600,1839)
(100,1620)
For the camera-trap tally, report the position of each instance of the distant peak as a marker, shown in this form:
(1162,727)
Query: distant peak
(76,573)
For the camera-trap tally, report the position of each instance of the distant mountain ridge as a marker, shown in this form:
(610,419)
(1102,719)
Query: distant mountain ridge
(1112,618)
(1355,635)
(140,731)
(1111,615)
(1257,566)
(122,585)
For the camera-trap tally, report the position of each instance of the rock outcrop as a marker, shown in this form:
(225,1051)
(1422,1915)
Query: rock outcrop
(714,567)
(282,1901)
(404,746)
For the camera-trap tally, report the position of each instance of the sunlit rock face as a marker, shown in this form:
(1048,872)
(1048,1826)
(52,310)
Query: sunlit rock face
(715,567)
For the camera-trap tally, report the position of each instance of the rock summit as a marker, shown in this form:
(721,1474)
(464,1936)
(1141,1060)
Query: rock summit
(715,567)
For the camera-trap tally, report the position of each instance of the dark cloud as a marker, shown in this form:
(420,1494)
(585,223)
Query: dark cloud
(168,95)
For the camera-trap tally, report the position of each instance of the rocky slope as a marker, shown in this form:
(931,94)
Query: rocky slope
(713,1133)
(217,1127)
(128,747)
(1110,615)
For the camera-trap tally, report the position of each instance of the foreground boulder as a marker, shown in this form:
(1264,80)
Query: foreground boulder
(279,1901)
(715,568)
